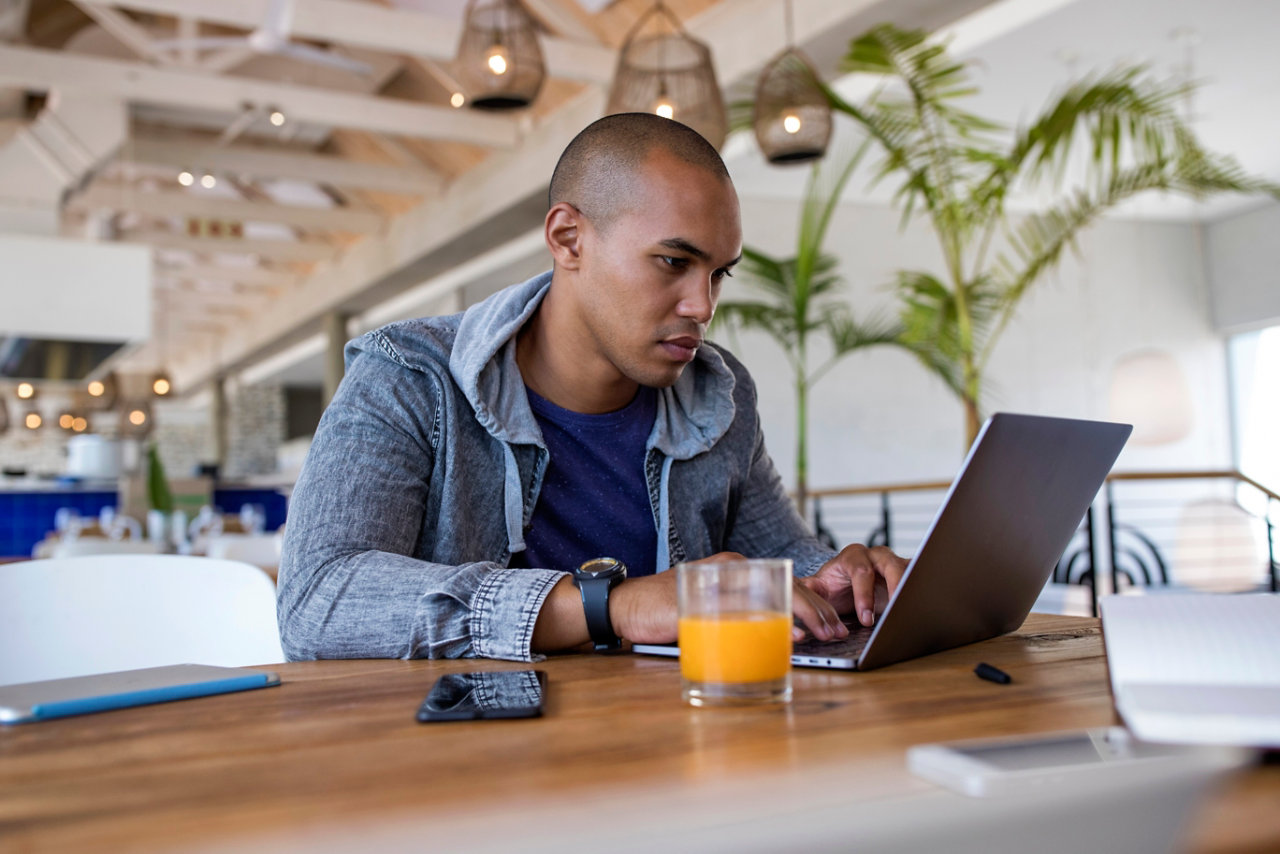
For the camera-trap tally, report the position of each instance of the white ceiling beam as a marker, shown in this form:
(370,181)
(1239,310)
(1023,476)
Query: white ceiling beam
(300,166)
(565,19)
(125,31)
(277,250)
(382,28)
(124,197)
(45,70)
(249,278)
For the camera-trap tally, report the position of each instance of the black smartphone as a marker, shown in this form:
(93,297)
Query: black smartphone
(473,696)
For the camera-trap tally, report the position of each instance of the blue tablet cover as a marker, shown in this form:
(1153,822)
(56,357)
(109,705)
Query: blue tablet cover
(79,695)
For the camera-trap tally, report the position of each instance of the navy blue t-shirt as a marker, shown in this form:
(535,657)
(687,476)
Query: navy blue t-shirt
(594,500)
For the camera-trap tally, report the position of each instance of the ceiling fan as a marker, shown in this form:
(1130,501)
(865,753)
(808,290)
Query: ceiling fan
(272,38)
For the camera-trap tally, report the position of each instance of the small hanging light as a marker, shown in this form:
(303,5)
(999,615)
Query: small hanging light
(32,420)
(4,417)
(792,117)
(161,385)
(670,74)
(499,60)
(26,391)
(136,419)
(102,392)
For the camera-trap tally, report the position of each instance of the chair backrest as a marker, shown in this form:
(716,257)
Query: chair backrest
(102,546)
(258,549)
(82,615)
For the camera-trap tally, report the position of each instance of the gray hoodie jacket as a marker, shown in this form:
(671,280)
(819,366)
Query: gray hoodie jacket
(427,465)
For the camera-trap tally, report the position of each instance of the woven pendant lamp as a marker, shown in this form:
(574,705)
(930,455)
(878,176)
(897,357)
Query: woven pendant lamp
(669,74)
(792,117)
(499,62)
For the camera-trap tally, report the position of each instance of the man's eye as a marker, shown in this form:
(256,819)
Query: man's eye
(673,262)
(723,273)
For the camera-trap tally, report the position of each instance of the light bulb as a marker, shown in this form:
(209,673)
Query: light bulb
(496,59)
(664,108)
(208,181)
(791,123)
(33,421)
(26,391)
(161,386)
(79,424)
(97,389)
(137,418)
(185,178)
(276,118)
(65,420)
(457,99)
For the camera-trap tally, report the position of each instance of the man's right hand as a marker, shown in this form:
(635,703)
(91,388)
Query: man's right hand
(644,610)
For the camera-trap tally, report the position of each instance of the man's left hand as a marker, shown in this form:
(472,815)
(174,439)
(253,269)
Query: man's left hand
(859,580)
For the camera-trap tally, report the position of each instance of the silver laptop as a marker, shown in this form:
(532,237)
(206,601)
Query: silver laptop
(1004,523)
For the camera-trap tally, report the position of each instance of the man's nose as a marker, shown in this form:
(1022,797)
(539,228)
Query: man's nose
(698,302)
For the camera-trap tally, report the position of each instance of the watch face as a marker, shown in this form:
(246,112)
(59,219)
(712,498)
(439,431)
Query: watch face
(603,567)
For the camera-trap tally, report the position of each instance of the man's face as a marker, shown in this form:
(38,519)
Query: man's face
(649,281)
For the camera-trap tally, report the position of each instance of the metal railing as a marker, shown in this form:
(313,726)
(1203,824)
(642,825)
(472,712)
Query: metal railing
(1213,529)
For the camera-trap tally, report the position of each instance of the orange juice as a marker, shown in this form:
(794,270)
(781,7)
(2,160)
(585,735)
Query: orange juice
(747,646)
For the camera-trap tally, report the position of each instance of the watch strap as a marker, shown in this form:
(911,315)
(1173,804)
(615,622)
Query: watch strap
(595,604)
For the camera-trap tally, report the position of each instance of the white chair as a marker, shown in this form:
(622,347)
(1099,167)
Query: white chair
(83,546)
(261,550)
(82,615)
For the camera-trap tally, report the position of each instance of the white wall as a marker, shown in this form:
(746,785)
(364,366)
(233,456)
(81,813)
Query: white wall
(1244,266)
(880,418)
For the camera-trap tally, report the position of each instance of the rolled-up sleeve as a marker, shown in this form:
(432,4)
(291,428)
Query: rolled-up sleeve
(351,585)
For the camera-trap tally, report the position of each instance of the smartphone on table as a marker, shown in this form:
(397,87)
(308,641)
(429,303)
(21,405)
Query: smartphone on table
(485,695)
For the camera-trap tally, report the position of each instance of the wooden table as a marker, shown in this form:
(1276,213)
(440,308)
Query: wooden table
(334,755)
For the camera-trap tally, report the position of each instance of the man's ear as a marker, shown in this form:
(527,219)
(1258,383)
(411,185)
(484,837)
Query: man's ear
(563,231)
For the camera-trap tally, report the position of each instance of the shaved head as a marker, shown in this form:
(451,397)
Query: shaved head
(595,170)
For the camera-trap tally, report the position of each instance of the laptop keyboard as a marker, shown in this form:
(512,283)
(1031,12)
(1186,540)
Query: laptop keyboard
(844,648)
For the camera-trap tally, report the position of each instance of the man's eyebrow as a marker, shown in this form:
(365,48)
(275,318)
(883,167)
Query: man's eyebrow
(681,245)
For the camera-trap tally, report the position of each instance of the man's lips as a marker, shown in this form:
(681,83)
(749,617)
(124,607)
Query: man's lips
(683,348)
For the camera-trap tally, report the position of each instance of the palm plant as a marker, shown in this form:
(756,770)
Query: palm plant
(958,169)
(799,300)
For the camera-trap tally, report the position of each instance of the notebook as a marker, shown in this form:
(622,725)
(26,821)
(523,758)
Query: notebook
(1005,521)
(80,695)
(1196,668)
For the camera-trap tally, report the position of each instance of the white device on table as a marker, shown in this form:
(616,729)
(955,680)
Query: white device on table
(1001,767)
(1196,668)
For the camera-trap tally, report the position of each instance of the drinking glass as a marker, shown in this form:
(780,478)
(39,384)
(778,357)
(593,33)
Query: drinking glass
(735,632)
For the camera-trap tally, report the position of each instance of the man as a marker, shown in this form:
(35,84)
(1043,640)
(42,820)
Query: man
(467,464)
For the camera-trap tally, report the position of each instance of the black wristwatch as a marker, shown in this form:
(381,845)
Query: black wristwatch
(595,579)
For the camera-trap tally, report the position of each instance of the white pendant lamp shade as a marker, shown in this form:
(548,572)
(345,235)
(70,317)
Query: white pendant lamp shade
(499,62)
(670,74)
(1150,391)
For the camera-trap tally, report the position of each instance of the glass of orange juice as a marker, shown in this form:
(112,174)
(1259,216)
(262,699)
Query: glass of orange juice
(735,632)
